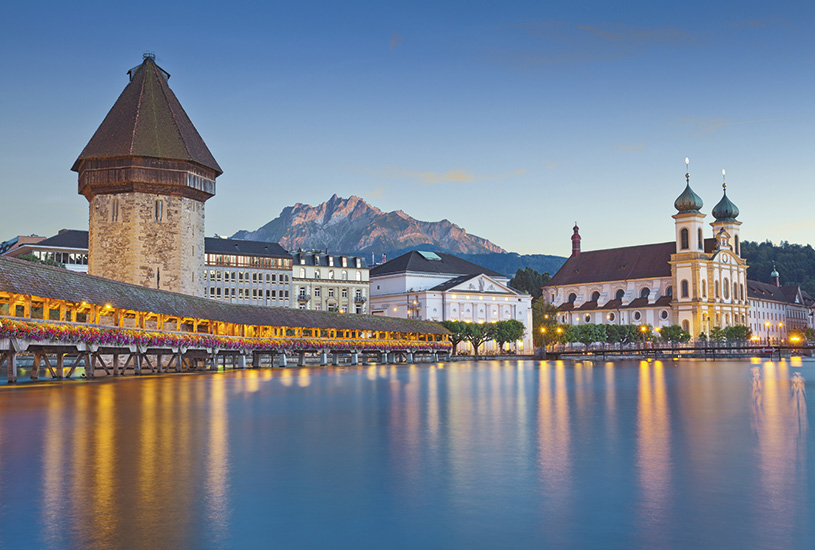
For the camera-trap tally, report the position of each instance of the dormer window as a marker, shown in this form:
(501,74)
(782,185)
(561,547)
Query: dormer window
(344,261)
(331,261)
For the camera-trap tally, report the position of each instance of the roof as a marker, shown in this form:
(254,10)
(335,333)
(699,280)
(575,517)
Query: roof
(21,277)
(766,291)
(148,121)
(645,261)
(321,259)
(216,245)
(67,238)
(415,261)
(451,283)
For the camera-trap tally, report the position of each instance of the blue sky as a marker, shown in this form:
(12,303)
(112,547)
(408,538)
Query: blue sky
(513,120)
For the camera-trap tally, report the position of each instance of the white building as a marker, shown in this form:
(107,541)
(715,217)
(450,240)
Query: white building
(247,272)
(440,287)
(777,311)
(68,247)
(325,282)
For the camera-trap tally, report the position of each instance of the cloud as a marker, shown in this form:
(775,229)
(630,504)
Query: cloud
(429,177)
(631,147)
(569,43)
(707,126)
(396,39)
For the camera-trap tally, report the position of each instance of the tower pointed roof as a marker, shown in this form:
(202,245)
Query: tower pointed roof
(725,210)
(148,121)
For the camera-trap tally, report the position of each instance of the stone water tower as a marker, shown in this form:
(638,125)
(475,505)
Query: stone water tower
(147,173)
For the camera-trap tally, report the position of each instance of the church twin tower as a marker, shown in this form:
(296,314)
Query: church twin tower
(147,173)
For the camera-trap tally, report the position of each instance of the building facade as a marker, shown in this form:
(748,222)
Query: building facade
(694,281)
(778,312)
(439,287)
(247,272)
(325,282)
(68,247)
(147,173)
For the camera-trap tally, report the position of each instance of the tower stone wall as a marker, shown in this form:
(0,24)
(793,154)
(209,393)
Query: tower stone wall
(149,240)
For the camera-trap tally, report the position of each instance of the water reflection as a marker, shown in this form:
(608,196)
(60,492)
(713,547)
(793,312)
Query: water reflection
(489,454)
(653,452)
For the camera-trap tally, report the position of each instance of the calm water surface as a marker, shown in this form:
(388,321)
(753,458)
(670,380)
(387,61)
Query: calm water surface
(505,454)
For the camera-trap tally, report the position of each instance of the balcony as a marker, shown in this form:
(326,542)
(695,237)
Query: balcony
(303,297)
(360,299)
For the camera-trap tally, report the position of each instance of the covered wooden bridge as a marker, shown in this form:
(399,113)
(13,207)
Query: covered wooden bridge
(63,319)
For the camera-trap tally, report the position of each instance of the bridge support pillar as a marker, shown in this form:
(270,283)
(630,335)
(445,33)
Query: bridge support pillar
(335,359)
(410,357)
(283,360)
(11,359)
(35,368)
(301,359)
(354,358)
(255,360)
(60,366)
(323,358)
(242,361)
(136,364)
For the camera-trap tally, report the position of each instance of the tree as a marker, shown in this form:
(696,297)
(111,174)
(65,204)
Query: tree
(674,334)
(507,331)
(478,333)
(590,333)
(544,315)
(621,334)
(36,260)
(457,332)
(530,281)
(737,333)
(717,334)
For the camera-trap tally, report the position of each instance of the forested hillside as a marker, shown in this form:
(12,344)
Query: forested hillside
(795,263)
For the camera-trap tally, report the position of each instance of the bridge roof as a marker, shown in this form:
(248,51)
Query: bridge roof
(29,278)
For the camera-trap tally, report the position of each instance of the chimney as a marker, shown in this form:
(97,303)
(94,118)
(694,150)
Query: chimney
(575,241)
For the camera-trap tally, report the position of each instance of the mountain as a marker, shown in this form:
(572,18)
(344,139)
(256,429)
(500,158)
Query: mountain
(353,226)
(511,262)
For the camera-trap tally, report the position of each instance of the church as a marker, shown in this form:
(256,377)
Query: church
(693,281)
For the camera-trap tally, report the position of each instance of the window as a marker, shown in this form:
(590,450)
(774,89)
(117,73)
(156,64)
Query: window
(683,239)
(572,298)
(317,292)
(345,293)
(716,288)
(331,274)
(637,315)
(330,292)
(741,292)
(701,244)
(645,292)
(669,291)
(686,325)
(344,274)
(316,273)
(704,288)
(726,289)
(159,211)
(663,314)
(735,291)
(302,273)
(620,295)
(595,296)
(684,288)
(588,317)
(359,276)
(114,210)
(610,316)
(737,244)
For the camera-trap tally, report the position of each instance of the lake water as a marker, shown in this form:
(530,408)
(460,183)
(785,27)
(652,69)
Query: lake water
(504,454)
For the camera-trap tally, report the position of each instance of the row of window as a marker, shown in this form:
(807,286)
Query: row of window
(343,261)
(245,277)
(317,275)
(248,294)
(230,260)
(62,257)
(331,292)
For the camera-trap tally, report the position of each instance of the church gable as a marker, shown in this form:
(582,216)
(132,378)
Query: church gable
(476,284)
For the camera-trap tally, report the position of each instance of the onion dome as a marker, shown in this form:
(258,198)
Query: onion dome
(774,272)
(688,201)
(725,210)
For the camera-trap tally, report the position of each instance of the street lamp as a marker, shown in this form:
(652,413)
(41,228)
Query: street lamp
(543,341)
(643,328)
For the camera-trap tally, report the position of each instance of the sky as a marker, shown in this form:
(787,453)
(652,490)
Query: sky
(513,120)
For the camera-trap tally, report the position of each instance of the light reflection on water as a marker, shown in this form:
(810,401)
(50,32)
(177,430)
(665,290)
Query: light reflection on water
(492,454)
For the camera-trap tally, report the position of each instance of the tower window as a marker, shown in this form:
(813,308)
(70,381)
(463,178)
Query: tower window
(159,212)
(701,243)
(736,239)
(114,210)
(684,238)
(684,288)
